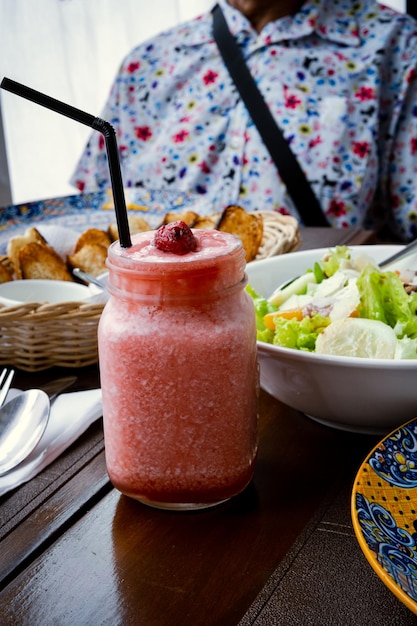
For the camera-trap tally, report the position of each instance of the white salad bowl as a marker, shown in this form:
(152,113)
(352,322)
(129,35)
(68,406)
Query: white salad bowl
(356,394)
(16,292)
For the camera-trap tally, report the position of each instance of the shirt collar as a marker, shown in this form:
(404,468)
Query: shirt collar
(334,21)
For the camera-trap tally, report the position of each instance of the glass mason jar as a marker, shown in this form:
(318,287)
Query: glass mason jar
(179,375)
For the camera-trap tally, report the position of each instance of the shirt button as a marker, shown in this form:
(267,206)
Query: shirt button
(235,143)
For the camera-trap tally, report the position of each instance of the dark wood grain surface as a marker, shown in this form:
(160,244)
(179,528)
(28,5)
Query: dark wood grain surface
(75,551)
(89,552)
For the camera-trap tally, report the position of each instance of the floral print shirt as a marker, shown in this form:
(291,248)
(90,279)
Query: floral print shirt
(340,79)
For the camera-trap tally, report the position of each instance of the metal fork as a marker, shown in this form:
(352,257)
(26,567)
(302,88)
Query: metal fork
(5,382)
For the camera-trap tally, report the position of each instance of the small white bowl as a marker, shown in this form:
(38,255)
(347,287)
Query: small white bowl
(52,291)
(371,396)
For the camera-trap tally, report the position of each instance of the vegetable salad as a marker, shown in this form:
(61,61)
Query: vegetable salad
(343,306)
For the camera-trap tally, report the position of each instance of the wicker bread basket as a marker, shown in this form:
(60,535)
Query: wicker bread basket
(37,336)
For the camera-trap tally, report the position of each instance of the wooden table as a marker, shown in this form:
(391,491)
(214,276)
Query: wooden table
(75,551)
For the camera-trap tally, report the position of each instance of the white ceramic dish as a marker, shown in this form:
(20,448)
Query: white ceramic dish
(51,291)
(361,395)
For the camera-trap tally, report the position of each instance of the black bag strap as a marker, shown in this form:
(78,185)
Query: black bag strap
(293,176)
(411,8)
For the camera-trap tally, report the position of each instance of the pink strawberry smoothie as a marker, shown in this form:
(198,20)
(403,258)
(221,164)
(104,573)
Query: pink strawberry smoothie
(177,353)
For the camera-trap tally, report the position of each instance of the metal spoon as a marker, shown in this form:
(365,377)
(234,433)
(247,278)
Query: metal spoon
(55,387)
(89,278)
(22,423)
(408,249)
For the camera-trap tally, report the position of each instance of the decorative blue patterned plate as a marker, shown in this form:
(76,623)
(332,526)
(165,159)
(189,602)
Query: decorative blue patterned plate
(83,211)
(384,512)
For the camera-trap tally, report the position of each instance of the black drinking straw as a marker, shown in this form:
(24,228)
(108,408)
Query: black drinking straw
(98,124)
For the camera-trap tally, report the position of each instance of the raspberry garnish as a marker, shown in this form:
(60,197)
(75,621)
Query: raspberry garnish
(176,238)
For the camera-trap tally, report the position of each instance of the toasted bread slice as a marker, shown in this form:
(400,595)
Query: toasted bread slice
(133,206)
(37,260)
(137,224)
(6,269)
(93,236)
(247,226)
(208,222)
(16,243)
(91,258)
(189,217)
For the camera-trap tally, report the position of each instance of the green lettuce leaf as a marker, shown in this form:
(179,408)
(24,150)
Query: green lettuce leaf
(406,348)
(299,334)
(331,263)
(318,273)
(262,307)
(383,297)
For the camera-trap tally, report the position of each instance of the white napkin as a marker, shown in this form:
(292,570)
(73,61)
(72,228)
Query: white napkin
(71,414)
(61,239)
